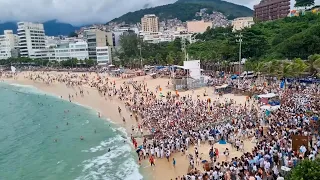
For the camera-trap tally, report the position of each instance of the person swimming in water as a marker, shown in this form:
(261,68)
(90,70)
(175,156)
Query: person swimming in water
(81,138)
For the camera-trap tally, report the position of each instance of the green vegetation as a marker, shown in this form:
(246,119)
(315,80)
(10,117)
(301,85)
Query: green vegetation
(162,53)
(304,3)
(22,61)
(306,170)
(185,10)
(288,38)
(296,68)
(264,45)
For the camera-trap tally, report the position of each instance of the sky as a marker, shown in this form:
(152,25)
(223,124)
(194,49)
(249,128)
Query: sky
(80,12)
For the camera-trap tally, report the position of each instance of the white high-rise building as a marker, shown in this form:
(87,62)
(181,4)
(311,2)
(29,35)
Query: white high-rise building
(104,55)
(31,39)
(77,50)
(8,43)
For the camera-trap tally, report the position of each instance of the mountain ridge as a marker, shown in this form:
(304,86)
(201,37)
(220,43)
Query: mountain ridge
(52,28)
(185,10)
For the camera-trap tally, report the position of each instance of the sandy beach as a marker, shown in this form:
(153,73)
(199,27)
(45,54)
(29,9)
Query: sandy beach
(108,108)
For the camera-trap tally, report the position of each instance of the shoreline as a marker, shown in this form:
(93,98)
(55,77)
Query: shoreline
(50,90)
(108,107)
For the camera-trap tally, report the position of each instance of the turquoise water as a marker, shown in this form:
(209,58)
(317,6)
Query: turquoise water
(30,121)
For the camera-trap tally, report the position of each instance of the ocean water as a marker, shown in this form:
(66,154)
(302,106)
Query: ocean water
(31,120)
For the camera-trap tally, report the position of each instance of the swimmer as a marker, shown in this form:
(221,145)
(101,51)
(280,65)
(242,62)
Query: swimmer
(81,138)
(67,123)
(56,127)
(109,150)
(56,140)
(95,131)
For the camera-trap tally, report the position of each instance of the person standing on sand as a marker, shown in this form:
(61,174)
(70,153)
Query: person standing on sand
(174,162)
(151,160)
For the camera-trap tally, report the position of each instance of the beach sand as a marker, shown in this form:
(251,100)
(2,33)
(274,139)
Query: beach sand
(109,109)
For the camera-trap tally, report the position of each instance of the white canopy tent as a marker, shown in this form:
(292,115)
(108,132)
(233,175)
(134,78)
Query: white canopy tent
(270,108)
(269,95)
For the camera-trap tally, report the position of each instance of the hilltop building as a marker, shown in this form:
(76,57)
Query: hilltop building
(271,9)
(150,23)
(242,22)
(198,26)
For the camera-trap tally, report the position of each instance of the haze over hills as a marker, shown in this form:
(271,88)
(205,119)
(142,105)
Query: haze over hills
(186,9)
(52,28)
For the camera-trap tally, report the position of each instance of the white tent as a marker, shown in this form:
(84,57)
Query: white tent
(270,108)
(269,95)
(222,86)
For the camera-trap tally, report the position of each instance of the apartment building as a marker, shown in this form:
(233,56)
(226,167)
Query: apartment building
(150,23)
(271,9)
(8,44)
(78,50)
(198,26)
(31,39)
(104,55)
(95,38)
(242,22)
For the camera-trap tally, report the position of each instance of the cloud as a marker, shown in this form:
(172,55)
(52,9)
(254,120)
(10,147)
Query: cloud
(76,12)
(79,12)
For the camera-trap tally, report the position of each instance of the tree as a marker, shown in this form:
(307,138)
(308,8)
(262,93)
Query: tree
(313,64)
(299,67)
(158,59)
(304,3)
(306,170)
(90,62)
(73,34)
(170,59)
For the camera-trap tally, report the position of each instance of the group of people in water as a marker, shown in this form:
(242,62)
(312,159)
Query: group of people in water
(174,124)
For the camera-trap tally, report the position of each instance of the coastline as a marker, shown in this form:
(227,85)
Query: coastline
(88,101)
(108,107)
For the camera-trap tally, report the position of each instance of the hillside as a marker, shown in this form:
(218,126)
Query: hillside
(52,28)
(186,10)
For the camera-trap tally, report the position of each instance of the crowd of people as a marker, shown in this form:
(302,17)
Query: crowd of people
(175,123)
(178,122)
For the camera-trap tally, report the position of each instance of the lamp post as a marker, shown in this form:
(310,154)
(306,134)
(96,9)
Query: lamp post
(239,40)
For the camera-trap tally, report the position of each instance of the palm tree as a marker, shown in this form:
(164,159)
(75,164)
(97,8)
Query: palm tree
(299,67)
(312,63)
(316,65)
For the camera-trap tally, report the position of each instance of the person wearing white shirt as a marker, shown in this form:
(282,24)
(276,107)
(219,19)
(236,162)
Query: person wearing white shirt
(303,149)
(275,170)
(266,165)
(215,175)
